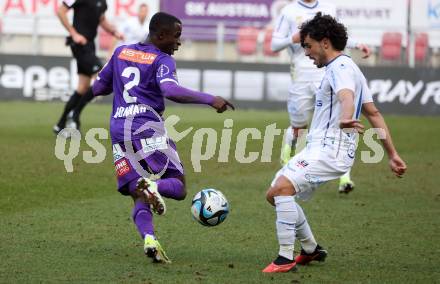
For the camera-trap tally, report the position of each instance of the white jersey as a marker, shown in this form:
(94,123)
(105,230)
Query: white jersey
(134,31)
(340,73)
(291,18)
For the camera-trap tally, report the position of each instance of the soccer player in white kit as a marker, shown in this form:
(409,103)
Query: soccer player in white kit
(331,141)
(134,29)
(305,76)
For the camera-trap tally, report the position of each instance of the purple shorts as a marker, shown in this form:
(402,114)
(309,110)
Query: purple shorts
(150,157)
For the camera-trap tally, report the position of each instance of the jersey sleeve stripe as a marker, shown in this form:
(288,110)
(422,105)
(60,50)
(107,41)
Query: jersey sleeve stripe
(331,108)
(359,106)
(168,80)
(279,24)
(330,117)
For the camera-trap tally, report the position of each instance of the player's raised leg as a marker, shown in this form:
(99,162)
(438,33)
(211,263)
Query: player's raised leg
(173,188)
(148,189)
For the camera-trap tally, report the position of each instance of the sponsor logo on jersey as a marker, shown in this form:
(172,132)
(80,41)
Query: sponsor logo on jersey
(122,167)
(137,56)
(153,144)
(117,153)
(302,163)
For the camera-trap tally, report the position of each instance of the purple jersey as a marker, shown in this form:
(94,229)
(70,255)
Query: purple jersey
(135,73)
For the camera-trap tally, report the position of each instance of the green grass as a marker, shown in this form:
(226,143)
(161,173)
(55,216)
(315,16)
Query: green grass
(57,226)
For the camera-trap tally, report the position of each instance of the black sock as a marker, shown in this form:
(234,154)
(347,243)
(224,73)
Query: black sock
(85,99)
(282,260)
(70,105)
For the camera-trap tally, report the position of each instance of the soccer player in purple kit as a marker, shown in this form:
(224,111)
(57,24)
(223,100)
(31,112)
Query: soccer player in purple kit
(141,76)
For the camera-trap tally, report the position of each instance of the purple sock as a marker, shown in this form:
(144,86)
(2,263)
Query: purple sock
(143,218)
(171,188)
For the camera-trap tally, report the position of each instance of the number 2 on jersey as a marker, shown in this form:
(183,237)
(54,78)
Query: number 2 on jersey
(137,76)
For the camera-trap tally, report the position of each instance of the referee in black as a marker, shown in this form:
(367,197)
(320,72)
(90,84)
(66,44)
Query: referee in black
(87,16)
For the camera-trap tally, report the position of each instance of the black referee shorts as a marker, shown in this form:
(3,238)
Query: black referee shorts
(86,60)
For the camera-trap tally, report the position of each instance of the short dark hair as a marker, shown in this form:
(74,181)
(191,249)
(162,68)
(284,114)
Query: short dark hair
(162,21)
(325,26)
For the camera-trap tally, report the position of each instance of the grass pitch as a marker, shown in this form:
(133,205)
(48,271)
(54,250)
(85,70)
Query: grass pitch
(57,226)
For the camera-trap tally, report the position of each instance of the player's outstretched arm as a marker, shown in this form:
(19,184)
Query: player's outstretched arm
(179,94)
(376,119)
(221,105)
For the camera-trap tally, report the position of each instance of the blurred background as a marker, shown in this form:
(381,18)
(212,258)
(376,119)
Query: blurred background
(226,49)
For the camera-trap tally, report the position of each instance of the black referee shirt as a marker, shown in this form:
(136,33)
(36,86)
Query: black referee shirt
(86,15)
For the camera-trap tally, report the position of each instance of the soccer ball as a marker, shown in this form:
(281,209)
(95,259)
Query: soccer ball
(209,207)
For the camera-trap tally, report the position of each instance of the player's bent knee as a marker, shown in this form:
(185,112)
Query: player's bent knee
(270,196)
(282,187)
(82,90)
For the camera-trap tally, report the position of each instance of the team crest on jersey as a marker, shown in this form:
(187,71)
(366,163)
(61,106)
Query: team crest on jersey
(137,56)
(351,151)
(122,167)
(162,71)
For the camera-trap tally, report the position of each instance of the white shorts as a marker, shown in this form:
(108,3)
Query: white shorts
(301,102)
(315,165)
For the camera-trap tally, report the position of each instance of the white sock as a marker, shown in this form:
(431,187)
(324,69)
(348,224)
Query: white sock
(304,233)
(286,251)
(287,216)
